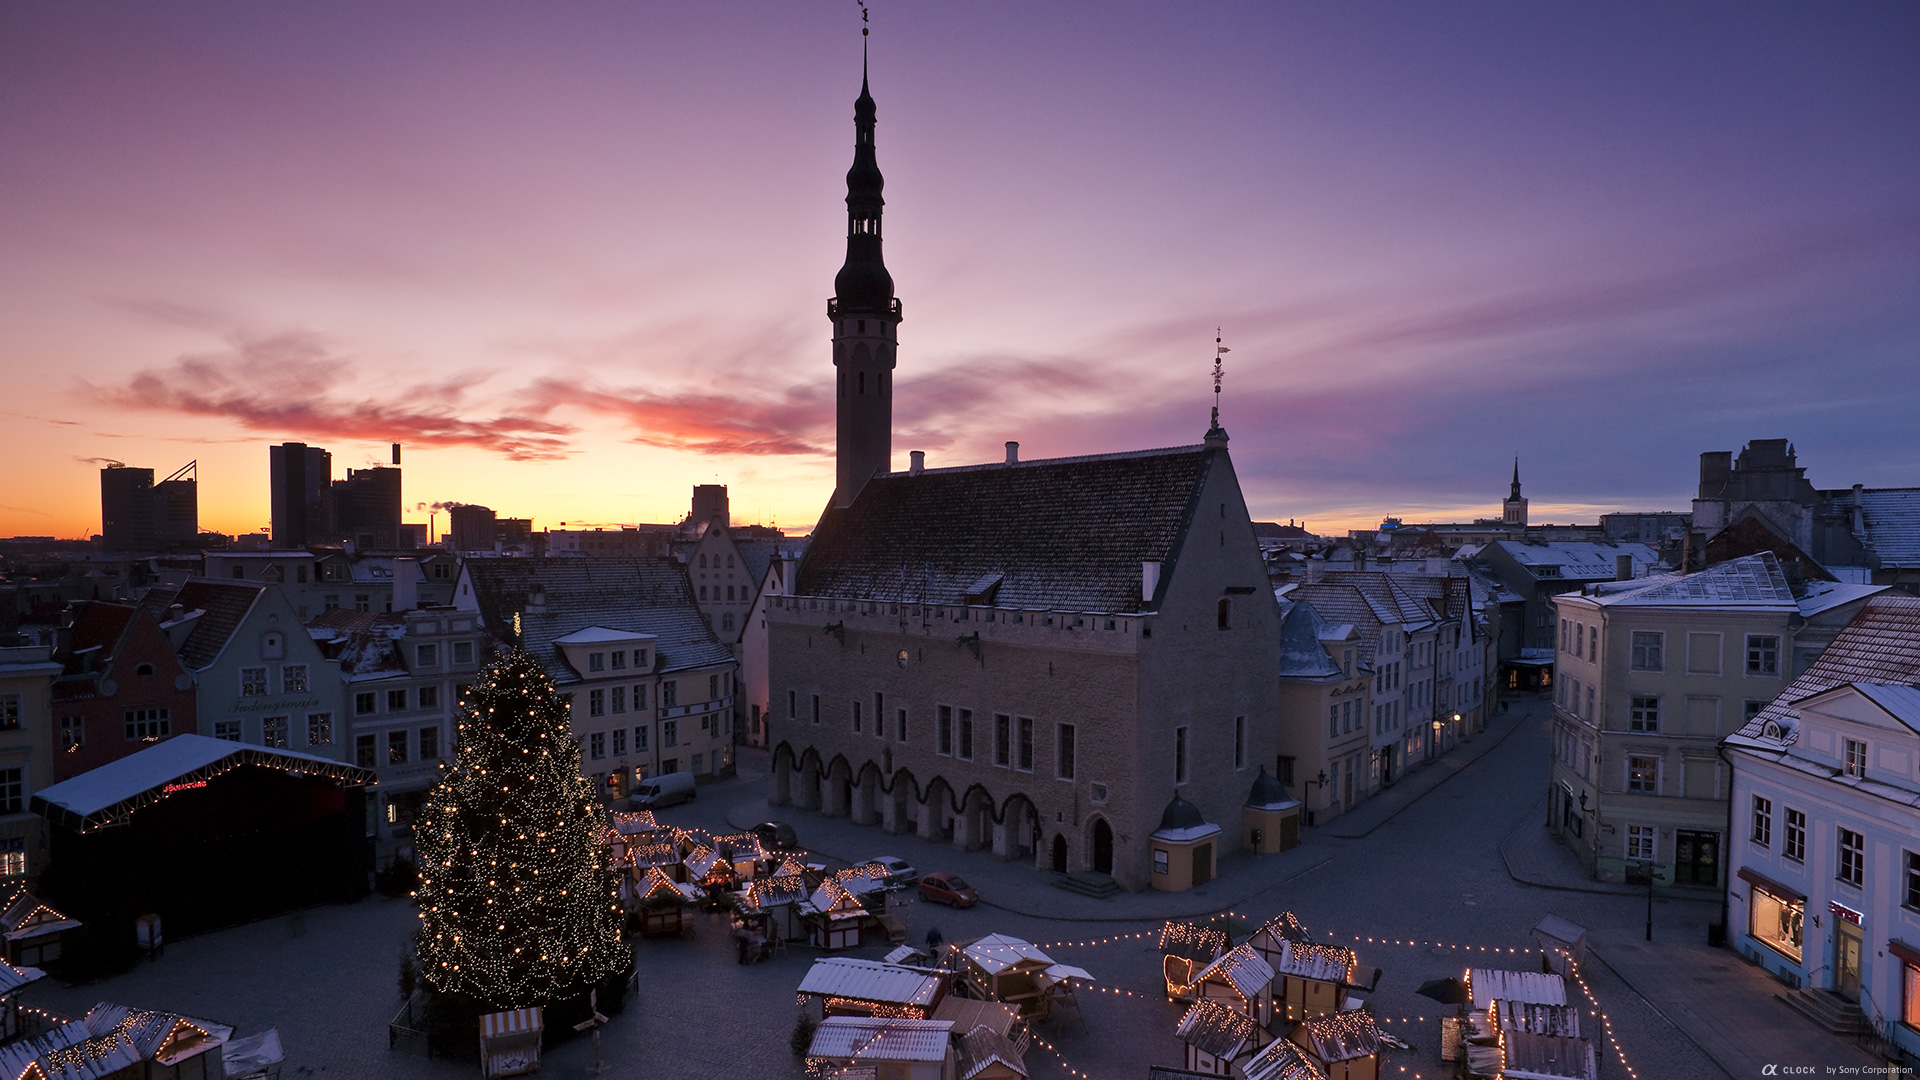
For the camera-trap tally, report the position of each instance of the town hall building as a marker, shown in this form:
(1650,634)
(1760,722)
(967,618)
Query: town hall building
(1067,660)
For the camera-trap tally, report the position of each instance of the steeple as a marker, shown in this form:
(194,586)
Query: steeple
(1513,511)
(865,316)
(1516,479)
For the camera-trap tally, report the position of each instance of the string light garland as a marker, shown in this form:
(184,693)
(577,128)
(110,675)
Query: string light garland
(518,905)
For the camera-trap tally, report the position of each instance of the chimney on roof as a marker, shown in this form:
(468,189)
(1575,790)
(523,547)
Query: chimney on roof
(1149,581)
(406,584)
(1013,453)
(537,600)
(919,462)
(1623,568)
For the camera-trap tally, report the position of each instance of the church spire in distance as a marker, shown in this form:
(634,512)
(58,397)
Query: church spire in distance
(865,316)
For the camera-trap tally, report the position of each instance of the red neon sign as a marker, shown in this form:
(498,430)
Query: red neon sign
(171,788)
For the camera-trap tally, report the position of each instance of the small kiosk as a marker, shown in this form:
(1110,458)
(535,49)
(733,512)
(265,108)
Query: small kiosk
(510,1042)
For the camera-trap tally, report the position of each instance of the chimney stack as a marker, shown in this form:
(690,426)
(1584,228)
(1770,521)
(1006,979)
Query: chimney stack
(1013,453)
(919,462)
(1623,568)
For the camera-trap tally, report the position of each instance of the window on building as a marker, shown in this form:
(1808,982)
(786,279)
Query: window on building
(1179,755)
(1751,709)
(640,739)
(1640,842)
(1763,654)
(396,701)
(619,741)
(1909,991)
(713,688)
(13,857)
(618,659)
(1239,742)
(273,732)
(427,655)
(363,751)
(1852,867)
(1002,740)
(363,704)
(1333,721)
(1565,630)
(1593,712)
(331,601)
(639,658)
(1645,715)
(1579,641)
(1063,752)
(596,703)
(293,679)
(13,790)
(227,729)
(429,743)
(396,747)
(146,725)
(1593,643)
(1855,758)
(463,652)
(1793,844)
(1762,821)
(363,602)
(1024,752)
(943,730)
(596,661)
(966,734)
(670,733)
(1912,899)
(1777,921)
(670,698)
(429,697)
(73,732)
(1226,613)
(9,712)
(1643,774)
(253,681)
(1649,648)
(597,745)
(640,697)
(793,704)
(618,699)
(320,729)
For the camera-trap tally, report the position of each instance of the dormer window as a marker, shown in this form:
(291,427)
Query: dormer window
(619,659)
(1855,758)
(640,658)
(596,661)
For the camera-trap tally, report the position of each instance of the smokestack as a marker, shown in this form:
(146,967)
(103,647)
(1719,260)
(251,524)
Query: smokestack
(1013,453)
(1623,568)
(919,462)
(396,453)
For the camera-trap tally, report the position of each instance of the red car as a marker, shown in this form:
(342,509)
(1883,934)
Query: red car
(948,889)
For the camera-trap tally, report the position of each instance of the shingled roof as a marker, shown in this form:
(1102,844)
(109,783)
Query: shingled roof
(646,596)
(1891,518)
(224,606)
(1880,645)
(1061,534)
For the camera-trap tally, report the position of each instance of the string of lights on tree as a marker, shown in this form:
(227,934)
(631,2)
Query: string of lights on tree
(517,904)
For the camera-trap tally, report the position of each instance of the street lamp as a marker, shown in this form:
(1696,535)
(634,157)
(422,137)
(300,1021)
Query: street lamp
(1322,781)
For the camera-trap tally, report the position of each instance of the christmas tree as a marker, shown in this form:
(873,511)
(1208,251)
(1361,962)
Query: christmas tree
(517,905)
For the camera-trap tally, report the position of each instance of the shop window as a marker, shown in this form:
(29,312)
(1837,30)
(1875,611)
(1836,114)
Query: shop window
(273,732)
(1776,922)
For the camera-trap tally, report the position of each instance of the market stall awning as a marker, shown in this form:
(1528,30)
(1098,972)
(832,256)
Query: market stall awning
(110,794)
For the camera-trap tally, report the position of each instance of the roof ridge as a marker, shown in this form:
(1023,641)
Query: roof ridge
(1118,455)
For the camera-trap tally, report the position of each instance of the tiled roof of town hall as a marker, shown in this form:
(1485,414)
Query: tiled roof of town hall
(648,596)
(1892,520)
(1749,581)
(1880,645)
(1063,534)
(225,604)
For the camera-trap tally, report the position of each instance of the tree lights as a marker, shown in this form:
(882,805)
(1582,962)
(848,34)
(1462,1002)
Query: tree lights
(517,905)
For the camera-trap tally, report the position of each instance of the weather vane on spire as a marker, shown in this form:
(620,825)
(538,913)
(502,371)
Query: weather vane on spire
(863,16)
(1219,351)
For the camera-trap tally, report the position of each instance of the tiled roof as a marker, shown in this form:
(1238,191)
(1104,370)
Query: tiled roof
(1301,654)
(649,596)
(1579,559)
(1892,519)
(1067,533)
(1880,645)
(758,553)
(225,604)
(1351,605)
(1212,1028)
(1749,581)
(98,624)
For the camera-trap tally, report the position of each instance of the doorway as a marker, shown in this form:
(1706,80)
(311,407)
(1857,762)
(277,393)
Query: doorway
(1696,858)
(1203,864)
(1102,847)
(1059,854)
(1846,959)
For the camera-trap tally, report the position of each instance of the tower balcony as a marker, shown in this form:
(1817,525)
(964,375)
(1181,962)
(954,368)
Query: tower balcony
(833,309)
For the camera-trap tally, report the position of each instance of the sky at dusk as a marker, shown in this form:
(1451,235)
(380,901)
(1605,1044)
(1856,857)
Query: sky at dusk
(576,256)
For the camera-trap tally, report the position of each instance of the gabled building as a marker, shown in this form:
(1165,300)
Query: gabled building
(1649,676)
(1324,704)
(651,687)
(1825,853)
(121,688)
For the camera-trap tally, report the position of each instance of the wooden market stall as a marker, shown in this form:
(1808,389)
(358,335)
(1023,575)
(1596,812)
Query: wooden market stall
(999,967)
(835,919)
(845,986)
(1186,948)
(659,903)
(1313,980)
(510,1042)
(33,932)
(1240,980)
(1346,1045)
(1217,1037)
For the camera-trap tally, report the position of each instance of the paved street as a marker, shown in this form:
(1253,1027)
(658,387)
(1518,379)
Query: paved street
(1423,882)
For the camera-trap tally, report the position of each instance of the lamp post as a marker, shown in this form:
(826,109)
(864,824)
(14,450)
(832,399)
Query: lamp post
(1322,781)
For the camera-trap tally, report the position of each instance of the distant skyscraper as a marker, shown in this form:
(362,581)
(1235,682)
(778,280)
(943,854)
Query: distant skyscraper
(471,528)
(300,497)
(126,508)
(366,507)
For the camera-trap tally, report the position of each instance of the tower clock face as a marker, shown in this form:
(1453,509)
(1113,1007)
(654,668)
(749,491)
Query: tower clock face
(902,658)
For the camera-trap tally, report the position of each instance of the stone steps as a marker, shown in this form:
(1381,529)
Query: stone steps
(1098,886)
(1829,1010)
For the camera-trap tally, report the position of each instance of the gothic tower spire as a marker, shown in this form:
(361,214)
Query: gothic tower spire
(1513,510)
(865,317)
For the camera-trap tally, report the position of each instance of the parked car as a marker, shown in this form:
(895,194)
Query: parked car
(776,836)
(668,789)
(899,873)
(948,888)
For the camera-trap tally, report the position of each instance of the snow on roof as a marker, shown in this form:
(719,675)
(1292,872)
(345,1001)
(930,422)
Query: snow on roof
(1547,1057)
(1324,963)
(86,800)
(1282,1060)
(1749,581)
(1241,968)
(1528,987)
(996,953)
(1891,517)
(1215,1029)
(1880,645)
(1901,701)
(868,980)
(595,634)
(1826,595)
(872,1038)
(1578,558)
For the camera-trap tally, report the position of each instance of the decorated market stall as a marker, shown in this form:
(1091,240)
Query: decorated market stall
(844,986)
(510,1042)
(1217,1038)
(1346,1045)
(1185,948)
(660,903)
